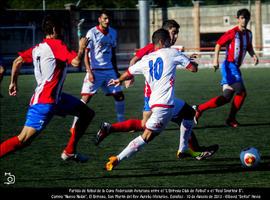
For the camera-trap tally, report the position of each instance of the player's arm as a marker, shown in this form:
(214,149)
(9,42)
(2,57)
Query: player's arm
(82,45)
(16,66)
(125,76)
(216,57)
(87,64)
(253,55)
(131,81)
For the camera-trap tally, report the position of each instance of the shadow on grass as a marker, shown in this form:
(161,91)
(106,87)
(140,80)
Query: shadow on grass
(224,126)
(169,171)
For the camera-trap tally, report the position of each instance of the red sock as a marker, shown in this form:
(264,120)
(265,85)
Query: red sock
(9,145)
(128,125)
(70,148)
(213,103)
(237,104)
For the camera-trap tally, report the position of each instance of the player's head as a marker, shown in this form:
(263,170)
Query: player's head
(51,26)
(161,38)
(243,16)
(104,19)
(173,27)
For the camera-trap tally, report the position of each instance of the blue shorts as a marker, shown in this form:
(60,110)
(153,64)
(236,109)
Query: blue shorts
(230,73)
(146,104)
(39,115)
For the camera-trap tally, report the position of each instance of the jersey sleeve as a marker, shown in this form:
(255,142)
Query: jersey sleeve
(226,37)
(61,51)
(89,36)
(145,50)
(181,61)
(137,68)
(27,55)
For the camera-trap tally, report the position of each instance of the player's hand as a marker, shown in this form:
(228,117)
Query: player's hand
(216,67)
(255,59)
(115,82)
(129,83)
(12,90)
(91,77)
(193,56)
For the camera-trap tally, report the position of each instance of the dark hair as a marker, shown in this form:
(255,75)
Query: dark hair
(243,12)
(49,22)
(170,23)
(160,34)
(104,11)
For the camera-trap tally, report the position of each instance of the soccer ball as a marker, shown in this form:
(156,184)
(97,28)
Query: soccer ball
(250,157)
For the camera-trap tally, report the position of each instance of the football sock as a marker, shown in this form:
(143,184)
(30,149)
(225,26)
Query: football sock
(213,103)
(237,104)
(185,132)
(76,118)
(126,126)
(134,146)
(9,145)
(193,142)
(120,110)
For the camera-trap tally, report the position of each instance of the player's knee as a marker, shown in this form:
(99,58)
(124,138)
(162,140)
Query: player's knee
(85,113)
(119,96)
(228,95)
(187,112)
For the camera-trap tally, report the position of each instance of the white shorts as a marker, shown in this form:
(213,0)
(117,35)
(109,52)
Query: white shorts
(159,119)
(102,77)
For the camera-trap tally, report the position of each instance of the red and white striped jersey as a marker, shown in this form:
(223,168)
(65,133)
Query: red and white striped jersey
(49,59)
(237,44)
(159,69)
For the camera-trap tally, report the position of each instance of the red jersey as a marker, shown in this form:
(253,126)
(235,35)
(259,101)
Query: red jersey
(49,59)
(237,44)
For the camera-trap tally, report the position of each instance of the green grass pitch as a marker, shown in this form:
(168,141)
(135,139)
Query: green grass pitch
(40,166)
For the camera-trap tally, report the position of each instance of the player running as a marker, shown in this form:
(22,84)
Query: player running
(138,125)
(238,41)
(49,59)
(159,70)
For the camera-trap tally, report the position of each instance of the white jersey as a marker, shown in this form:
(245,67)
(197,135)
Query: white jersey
(159,69)
(100,46)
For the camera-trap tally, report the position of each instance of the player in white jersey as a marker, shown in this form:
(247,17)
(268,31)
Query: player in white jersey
(49,59)
(159,70)
(100,63)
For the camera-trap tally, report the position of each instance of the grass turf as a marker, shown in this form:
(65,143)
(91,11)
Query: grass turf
(40,166)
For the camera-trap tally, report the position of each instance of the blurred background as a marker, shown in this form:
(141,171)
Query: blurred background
(201,24)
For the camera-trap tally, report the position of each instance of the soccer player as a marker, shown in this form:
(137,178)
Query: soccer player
(49,59)
(136,124)
(238,41)
(100,63)
(2,71)
(159,70)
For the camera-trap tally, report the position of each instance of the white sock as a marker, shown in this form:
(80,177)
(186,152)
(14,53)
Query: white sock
(76,118)
(185,133)
(134,146)
(120,110)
